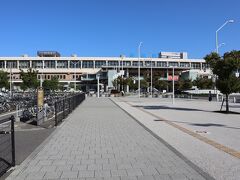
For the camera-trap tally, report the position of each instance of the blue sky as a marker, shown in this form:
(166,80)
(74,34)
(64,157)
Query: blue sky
(114,27)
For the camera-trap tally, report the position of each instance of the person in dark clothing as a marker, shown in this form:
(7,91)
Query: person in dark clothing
(210,96)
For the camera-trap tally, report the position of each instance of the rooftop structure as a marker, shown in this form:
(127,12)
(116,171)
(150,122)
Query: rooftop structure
(48,54)
(173,55)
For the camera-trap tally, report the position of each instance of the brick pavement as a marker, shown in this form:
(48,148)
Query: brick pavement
(100,141)
(176,124)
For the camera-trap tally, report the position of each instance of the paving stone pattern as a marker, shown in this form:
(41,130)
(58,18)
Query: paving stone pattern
(100,141)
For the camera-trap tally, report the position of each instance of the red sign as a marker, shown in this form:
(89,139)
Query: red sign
(175,78)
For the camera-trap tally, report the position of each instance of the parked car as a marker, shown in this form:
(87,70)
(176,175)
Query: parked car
(91,91)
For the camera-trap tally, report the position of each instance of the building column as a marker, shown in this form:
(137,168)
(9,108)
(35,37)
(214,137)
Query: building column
(17,64)
(5,64)
(42,64)
(30,63)
(167,74)
(93,64)
(55,64)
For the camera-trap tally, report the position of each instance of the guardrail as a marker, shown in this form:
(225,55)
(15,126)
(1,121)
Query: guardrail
(7,145)
(65,106)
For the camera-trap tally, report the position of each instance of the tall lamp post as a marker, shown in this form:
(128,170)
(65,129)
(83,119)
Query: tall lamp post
(228,21)
(139,54)
(151,79)
(220,45)
(98,75)
(122,88)
(10,79)
(75,79)
(173,95)
(41,80)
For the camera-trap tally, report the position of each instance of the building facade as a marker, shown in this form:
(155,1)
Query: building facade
(84,69)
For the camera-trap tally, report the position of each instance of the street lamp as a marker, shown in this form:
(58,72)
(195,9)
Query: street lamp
(173,95)
(228,21)
(122,56)
(10,79)
(75,79)
(139,54)
(98,75)
(220,45)
(41,80)
(151,79)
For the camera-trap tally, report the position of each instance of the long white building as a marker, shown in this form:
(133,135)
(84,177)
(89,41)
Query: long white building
(49,64)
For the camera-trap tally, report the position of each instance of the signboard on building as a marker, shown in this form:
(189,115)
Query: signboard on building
(176,78)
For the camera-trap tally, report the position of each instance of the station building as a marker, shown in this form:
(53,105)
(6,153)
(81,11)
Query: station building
(84,70)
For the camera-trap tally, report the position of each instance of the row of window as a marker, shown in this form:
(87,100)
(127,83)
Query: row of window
(98,64)
(48,77)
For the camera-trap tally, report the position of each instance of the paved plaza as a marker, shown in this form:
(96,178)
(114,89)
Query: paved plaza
(208,139)
(101,141)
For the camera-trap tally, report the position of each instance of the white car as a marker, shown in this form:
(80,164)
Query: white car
(91,91)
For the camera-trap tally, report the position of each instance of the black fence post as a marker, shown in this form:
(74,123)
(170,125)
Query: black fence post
(66,105)
(55,107)
(70,102)
(73,102)
(69,110)
(64,108)
(12,118)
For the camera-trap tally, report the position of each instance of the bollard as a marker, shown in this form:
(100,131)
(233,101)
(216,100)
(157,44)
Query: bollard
(17,114)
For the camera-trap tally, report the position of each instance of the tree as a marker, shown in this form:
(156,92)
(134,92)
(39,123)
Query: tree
(116,82)
(133,85)
(224,68)
(184,84)
(29,79)
(161,85)
(51,84)
(4,79)
(143,84)
(203,83)
(54,83)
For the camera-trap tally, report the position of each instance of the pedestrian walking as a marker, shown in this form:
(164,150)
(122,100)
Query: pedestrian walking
(210,96)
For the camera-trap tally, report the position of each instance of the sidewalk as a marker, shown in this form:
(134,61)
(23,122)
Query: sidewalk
(100,141)
(208,139)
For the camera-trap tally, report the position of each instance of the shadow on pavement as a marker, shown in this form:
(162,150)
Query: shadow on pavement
(170,108)
(224,112)
(184,109)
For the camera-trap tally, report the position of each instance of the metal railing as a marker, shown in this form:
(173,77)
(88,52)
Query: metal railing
(7,145)
(66,105)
